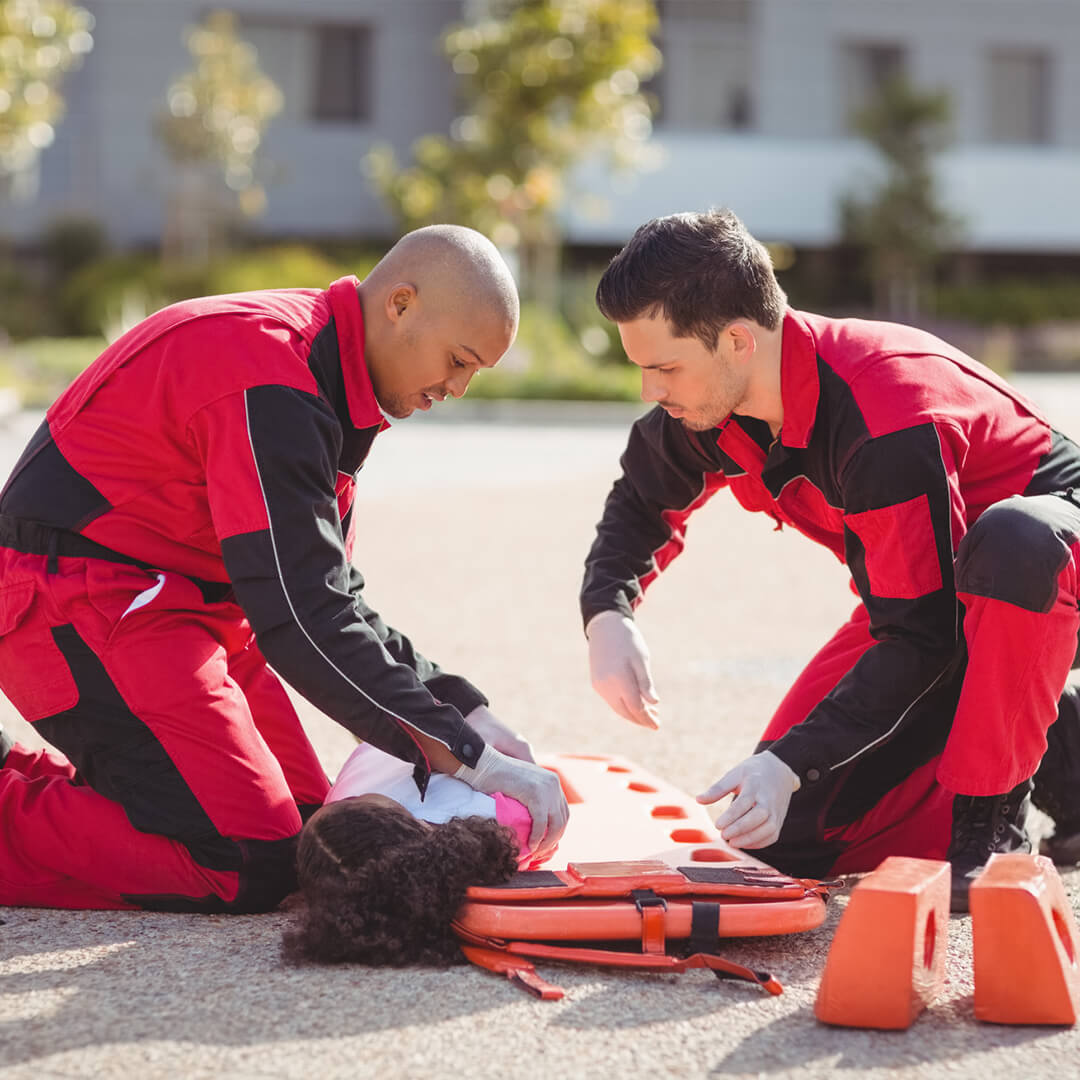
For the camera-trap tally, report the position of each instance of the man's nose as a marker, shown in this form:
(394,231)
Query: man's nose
(651,389)
(457,384)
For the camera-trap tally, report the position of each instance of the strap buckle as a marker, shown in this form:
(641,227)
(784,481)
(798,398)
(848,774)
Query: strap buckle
(646,898)
(653,911)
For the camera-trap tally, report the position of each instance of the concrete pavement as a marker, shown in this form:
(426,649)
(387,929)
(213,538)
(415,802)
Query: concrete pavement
(472,541)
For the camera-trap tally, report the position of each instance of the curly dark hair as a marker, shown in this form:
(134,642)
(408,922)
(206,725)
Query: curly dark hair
(380,887)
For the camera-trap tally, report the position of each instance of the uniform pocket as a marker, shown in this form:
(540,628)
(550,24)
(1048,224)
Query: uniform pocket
(33,672)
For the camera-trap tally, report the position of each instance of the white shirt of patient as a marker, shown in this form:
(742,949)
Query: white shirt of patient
(368,770)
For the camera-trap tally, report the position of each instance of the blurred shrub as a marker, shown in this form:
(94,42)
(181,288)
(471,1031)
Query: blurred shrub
(97,295)
(287,267)
(1017,302)
(598,337)
(548,361)
(20,302)
(40,368)
(69,243)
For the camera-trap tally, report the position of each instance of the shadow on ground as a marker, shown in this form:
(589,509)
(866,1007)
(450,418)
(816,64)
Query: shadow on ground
(127,977)
(945,1033)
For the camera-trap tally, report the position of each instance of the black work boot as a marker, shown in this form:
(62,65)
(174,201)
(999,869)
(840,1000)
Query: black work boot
(981,826)
(1057,783)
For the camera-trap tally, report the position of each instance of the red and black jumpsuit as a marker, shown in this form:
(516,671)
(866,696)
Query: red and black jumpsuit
(933,481)
(182,518)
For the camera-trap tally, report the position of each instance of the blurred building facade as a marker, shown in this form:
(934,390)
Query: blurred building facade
(756,98)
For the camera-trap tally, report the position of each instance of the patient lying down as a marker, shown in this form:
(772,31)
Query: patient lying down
(382,874)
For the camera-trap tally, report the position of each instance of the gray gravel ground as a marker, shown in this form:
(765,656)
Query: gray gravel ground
(473,543)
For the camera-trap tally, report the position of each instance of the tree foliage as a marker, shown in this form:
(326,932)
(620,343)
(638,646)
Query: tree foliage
(40,40)
(541,83)
(216,113)
(902,226)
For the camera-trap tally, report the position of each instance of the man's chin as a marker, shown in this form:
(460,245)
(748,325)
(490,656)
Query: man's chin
(703,422)
(697,423)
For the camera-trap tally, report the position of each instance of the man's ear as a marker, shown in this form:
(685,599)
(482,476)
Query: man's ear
(741,341)
(398,300)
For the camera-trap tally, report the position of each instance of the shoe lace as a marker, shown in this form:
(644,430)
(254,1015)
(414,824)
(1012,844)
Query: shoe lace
(971,823)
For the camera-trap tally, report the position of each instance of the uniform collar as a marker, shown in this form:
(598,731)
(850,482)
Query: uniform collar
(799,386)
(364,411)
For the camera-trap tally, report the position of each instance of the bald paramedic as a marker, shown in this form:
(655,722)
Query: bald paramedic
(918,727)
(176,540)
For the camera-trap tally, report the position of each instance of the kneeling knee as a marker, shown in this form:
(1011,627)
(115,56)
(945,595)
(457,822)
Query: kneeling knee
(1012,553)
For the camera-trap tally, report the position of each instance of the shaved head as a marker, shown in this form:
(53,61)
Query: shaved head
(438,307)
(457,266)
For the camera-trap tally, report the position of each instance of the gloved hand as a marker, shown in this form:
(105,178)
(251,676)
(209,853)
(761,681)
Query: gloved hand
(536,788)
(495,733)
(763,785)
(619,668)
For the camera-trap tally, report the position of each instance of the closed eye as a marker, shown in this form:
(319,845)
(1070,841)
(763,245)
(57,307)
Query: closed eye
(457,361)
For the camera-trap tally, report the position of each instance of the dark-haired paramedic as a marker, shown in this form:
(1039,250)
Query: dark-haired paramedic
(918,727)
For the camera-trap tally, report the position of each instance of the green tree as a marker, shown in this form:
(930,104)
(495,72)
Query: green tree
(542,84)
(902,226)
(40,40)
(211,129)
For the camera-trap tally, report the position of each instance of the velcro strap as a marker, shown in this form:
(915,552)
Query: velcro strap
(704,926)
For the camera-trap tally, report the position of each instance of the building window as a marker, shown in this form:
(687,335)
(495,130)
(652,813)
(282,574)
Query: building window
(342,74)
(1018,100)
(324,70)
(866,69)
(705,83)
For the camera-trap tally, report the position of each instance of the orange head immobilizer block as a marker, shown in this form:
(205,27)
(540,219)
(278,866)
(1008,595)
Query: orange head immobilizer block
(1025,943)
(887,961)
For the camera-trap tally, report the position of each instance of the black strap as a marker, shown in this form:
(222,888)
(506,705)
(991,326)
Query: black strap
(704,926)
(37,538)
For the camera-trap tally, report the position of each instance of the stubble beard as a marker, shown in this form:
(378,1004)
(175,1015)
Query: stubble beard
(727,395)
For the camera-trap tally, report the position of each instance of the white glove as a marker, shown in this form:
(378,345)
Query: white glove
(536,788)
(763,785)
(495,733)
(619,668)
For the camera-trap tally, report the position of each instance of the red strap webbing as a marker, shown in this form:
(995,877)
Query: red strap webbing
(509,958)
(653,912)
(515,968)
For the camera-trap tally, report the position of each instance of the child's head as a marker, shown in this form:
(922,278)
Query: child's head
(381,887)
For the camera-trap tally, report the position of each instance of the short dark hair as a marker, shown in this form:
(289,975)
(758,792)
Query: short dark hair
(700,270)
(381,888)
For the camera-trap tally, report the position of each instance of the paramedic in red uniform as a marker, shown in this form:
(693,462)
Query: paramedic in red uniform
(182,519)
(918,727)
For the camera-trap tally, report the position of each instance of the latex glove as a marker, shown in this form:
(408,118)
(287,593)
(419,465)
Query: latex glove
(536,788)
(619,668)
(495,733)
(763,787)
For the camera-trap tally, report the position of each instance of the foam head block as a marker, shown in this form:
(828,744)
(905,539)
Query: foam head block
(1025,943)
(887,961)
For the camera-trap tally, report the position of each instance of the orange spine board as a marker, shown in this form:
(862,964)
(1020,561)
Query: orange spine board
(613,920)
